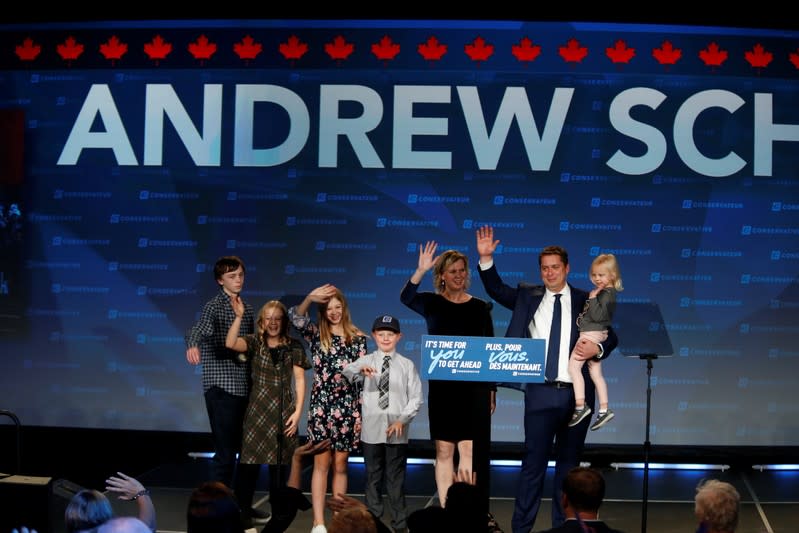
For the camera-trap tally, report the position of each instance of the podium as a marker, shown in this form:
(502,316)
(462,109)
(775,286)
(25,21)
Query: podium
(642,335)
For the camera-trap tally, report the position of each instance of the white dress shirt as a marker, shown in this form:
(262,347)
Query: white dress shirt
(542,321)
(404,395)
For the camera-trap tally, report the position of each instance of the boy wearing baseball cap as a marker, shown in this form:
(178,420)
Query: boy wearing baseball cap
(392,396)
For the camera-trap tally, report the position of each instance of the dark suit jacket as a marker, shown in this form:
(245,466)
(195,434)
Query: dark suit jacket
(573,526)
(524,300)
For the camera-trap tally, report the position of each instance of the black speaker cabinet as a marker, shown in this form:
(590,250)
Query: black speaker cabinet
(35,502)
(26,502)
(62,493)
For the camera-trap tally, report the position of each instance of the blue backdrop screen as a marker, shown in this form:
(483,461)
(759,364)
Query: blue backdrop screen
(326,152)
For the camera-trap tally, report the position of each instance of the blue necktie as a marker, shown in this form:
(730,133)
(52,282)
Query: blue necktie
(553,350)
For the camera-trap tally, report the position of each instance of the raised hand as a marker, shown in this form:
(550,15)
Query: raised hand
(23,529)
(312,447)
(123,485)
(427,257)
(485,241)
(237,304)
(323,293)
(339,502)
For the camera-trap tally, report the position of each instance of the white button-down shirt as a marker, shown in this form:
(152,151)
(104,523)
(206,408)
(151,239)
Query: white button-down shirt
(404,395)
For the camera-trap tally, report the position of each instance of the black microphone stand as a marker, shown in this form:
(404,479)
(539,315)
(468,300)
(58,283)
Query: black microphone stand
(281,424)
(13,417)
(644,333)
(647,444)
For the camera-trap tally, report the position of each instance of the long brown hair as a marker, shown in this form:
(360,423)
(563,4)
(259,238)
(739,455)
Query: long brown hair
(350,329)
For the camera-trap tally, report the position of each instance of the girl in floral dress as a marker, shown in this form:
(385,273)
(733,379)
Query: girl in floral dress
(334,411)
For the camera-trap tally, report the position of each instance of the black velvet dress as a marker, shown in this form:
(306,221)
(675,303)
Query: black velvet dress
(457,410)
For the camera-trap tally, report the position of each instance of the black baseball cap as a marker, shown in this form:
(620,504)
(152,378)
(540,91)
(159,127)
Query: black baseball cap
(386,322)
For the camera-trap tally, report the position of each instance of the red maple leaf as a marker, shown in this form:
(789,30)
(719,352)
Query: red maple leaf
(27,51)
(339,49)
(114,49)
(758,57)
(479,50)
(526,50)
(247,48)
(573,52)
(793,57)
(202,49)
(667,54)
(713,56)
(620,53)
(431,49)
(158,48)
(293,48)
(386,49)
(70,49)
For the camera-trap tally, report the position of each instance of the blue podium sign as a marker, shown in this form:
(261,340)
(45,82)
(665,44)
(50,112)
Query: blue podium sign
(496,359)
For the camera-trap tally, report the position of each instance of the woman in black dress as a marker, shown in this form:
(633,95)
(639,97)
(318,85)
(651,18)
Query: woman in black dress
(459,412)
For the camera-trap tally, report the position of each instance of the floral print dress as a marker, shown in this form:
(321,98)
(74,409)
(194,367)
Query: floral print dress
(335,404)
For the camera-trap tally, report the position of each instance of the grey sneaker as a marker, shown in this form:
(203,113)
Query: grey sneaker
(580,415)
(602,419)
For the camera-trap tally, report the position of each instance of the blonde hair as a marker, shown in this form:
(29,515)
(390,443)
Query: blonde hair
(609,262)
(446,260)
(260,323)
(716,504)
(350,329)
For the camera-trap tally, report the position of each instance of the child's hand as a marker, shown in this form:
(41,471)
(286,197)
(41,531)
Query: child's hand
(237,304)
(369,371)
(323,293)
(594,292)
(396,429)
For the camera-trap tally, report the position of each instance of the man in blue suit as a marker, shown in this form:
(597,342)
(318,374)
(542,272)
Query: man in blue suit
(548,406)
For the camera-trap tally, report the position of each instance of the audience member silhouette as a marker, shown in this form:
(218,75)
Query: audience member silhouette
(90,508)
(356,519)
(340,503)
(87,509)
(213,509)
(290,499)
(463,511)
(123,524)
(582,493)
(716,506)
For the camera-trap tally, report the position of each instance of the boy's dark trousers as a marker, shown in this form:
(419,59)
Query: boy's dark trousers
(386,463)
(226,417)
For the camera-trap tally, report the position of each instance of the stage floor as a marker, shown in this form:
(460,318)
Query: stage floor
(769,499)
